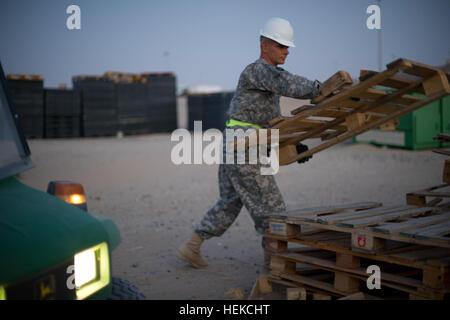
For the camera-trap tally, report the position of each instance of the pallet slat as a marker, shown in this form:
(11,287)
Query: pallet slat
(435,230)
(363,222)
(340,217)
(299,214)
(409,224)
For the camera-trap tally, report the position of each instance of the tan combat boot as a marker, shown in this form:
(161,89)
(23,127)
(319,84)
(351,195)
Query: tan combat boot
(190,251)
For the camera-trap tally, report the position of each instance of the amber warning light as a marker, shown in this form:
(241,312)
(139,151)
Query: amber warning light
(70,192)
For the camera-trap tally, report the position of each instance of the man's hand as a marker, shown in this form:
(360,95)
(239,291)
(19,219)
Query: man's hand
(300,149)
(333,85)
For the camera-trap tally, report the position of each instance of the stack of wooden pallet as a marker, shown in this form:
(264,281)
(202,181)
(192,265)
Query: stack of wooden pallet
(334,252)
(409,244)
(345,110)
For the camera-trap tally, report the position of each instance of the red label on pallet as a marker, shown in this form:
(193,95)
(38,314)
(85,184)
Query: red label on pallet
(362,241)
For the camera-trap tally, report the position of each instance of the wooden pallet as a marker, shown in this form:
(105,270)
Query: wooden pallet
(272,287)
(361,107)
(125,77)
(341,274)
(445,152)
(90,77)
(370,229)
(446,172)
(437,193)
(30,77)
(419,198)
(442,137)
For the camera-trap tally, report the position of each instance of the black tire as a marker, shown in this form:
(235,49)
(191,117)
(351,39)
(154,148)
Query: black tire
(124,290)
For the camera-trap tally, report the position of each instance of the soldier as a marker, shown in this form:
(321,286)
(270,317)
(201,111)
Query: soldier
(255,103)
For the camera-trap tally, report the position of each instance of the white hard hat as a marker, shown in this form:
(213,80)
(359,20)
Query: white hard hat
(279,30)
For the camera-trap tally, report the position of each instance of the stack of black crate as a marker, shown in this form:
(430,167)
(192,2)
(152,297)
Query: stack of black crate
(98,105)
(210,108)
(62,113)
(162,101)
(195,109)
(133,107)
(28,99)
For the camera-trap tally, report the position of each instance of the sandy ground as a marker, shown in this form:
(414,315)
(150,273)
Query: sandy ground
(155,203)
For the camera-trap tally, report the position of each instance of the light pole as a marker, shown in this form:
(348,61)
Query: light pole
(380,54)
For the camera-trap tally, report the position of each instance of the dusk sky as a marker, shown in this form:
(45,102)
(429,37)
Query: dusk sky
(209,42)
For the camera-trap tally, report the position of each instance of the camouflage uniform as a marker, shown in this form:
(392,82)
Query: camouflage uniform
(256,101)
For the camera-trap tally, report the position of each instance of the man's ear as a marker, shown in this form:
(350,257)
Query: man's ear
(264,45)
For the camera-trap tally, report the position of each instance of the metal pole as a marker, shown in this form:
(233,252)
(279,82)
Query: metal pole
(380,54)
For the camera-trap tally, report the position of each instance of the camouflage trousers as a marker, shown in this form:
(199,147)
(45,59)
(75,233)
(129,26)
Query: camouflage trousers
(241,185)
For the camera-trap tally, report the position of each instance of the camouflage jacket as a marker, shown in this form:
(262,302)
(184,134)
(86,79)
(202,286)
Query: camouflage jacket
(257,97)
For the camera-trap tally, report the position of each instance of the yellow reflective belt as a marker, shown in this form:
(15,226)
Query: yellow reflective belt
(232,123)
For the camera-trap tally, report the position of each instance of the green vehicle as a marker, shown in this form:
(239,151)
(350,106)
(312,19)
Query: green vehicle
(51,247)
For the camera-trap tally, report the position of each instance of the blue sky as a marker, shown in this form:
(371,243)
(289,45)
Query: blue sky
(209,42)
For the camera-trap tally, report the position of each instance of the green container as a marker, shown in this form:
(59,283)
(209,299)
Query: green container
(445,118)
(421,126)
(416,129)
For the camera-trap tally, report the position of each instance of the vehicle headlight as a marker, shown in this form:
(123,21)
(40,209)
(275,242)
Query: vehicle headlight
(92,270)
(85,267)
(2,293)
